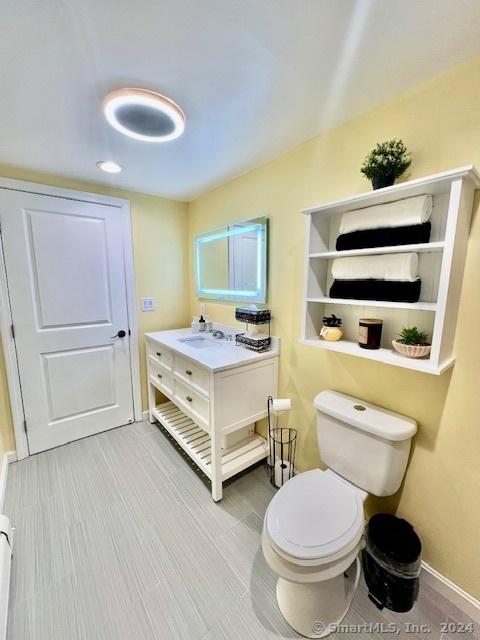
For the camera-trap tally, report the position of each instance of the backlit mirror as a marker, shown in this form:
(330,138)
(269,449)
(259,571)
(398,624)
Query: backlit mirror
(231,262)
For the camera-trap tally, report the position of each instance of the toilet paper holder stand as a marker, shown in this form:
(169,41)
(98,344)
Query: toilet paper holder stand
(282,445)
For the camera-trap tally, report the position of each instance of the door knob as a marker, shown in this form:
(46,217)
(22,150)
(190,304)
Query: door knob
(120,334)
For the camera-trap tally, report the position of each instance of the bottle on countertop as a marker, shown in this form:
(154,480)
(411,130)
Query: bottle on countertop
(195,324)
(201,324)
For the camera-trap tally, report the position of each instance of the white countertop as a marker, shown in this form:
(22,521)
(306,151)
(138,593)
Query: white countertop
(222,354)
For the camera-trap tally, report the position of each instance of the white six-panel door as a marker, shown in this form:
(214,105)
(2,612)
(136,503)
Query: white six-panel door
(66,278)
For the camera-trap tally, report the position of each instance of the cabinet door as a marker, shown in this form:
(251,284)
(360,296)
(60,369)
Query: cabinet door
(241,394)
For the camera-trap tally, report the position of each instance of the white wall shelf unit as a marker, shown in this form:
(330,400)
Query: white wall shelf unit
(441,265)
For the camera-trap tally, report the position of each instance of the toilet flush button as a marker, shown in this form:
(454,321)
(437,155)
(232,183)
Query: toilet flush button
(359,407)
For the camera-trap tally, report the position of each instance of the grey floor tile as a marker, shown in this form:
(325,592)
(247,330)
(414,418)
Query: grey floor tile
(145,428)
(240,545)
(163,453)
(256,489)
(41,551)
(32,480)
(167,612)
(118,539)
(248,620)
(213,518)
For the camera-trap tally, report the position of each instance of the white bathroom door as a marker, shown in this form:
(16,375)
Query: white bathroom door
(65,270)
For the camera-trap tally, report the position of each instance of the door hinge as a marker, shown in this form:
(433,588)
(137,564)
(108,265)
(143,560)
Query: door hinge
(12,329)
(129,332)
(25,426)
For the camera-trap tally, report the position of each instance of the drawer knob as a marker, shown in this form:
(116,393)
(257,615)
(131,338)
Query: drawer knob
(189,398)
(158,354)
(159,375)
(188,372)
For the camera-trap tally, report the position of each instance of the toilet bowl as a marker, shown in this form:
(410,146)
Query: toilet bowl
(313,527)
(312,534)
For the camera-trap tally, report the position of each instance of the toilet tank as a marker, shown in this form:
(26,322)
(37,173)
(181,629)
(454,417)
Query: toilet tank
(367,445)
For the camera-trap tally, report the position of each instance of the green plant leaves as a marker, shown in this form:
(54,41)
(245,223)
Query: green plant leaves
(387,158)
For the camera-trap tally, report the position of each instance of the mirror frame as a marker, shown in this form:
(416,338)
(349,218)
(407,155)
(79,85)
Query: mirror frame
(261,226)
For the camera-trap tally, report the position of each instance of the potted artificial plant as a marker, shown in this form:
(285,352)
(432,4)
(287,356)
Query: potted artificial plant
(331,331)
(386,162)
(412,343)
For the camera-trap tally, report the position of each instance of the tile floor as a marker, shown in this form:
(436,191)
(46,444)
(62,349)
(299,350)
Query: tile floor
(117,538)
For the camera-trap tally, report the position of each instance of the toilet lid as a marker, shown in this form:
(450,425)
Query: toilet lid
(315,515)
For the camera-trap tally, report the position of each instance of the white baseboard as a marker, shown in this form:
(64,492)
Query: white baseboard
(8,457)
(460,598)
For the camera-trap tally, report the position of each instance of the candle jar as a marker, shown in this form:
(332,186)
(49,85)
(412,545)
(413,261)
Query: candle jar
(370,333)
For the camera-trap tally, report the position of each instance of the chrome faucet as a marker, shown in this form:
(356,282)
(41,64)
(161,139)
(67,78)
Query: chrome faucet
(216,333)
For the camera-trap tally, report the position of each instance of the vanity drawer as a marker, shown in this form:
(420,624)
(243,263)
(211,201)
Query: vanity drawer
(161,379)
(192,374)
(194,403)
(160,355)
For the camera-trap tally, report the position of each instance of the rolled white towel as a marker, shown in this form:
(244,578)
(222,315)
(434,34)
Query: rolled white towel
(401,213)
(393,266)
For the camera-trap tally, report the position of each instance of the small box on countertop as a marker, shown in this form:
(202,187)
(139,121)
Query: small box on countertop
(252,316)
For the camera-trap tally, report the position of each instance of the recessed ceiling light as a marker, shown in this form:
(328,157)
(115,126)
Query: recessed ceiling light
(109,166)
(144,115)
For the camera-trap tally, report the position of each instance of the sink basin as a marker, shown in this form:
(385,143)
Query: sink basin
(201,342)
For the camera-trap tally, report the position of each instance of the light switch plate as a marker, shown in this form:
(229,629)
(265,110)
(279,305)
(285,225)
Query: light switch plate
(148,304)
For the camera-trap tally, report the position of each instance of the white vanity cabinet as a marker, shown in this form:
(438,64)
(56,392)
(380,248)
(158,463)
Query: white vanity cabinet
(214,397)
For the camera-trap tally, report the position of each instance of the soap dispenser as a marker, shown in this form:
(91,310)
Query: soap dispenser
(202,325)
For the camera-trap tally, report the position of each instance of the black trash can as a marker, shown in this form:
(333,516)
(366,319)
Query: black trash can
(391,562)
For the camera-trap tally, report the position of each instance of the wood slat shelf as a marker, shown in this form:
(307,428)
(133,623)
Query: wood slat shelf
(197,444)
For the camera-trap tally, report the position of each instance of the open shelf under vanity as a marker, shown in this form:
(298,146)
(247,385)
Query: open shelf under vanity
(196,442)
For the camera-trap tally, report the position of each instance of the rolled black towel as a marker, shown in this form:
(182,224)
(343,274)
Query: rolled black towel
(384,237)
(382,290)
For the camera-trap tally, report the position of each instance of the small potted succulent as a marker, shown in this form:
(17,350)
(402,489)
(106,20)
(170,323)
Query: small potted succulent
(331,331)
(412,343)
(386,162)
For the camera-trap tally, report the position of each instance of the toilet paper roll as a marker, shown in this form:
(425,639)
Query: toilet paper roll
(282,472)
(281,404)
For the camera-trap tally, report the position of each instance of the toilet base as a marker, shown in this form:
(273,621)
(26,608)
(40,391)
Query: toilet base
(314,609)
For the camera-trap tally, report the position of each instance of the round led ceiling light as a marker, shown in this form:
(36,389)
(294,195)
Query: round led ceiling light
(144,115)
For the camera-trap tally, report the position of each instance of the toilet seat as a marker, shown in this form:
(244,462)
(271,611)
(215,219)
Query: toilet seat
(315,517)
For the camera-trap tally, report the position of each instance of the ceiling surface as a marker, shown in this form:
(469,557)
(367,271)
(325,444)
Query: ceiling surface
(254,77)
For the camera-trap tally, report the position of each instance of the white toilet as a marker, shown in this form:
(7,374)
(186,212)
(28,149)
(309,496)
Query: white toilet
(314,525)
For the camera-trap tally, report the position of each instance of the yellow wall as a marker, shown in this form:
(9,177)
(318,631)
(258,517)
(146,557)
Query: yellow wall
(159,228)
(440,123)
